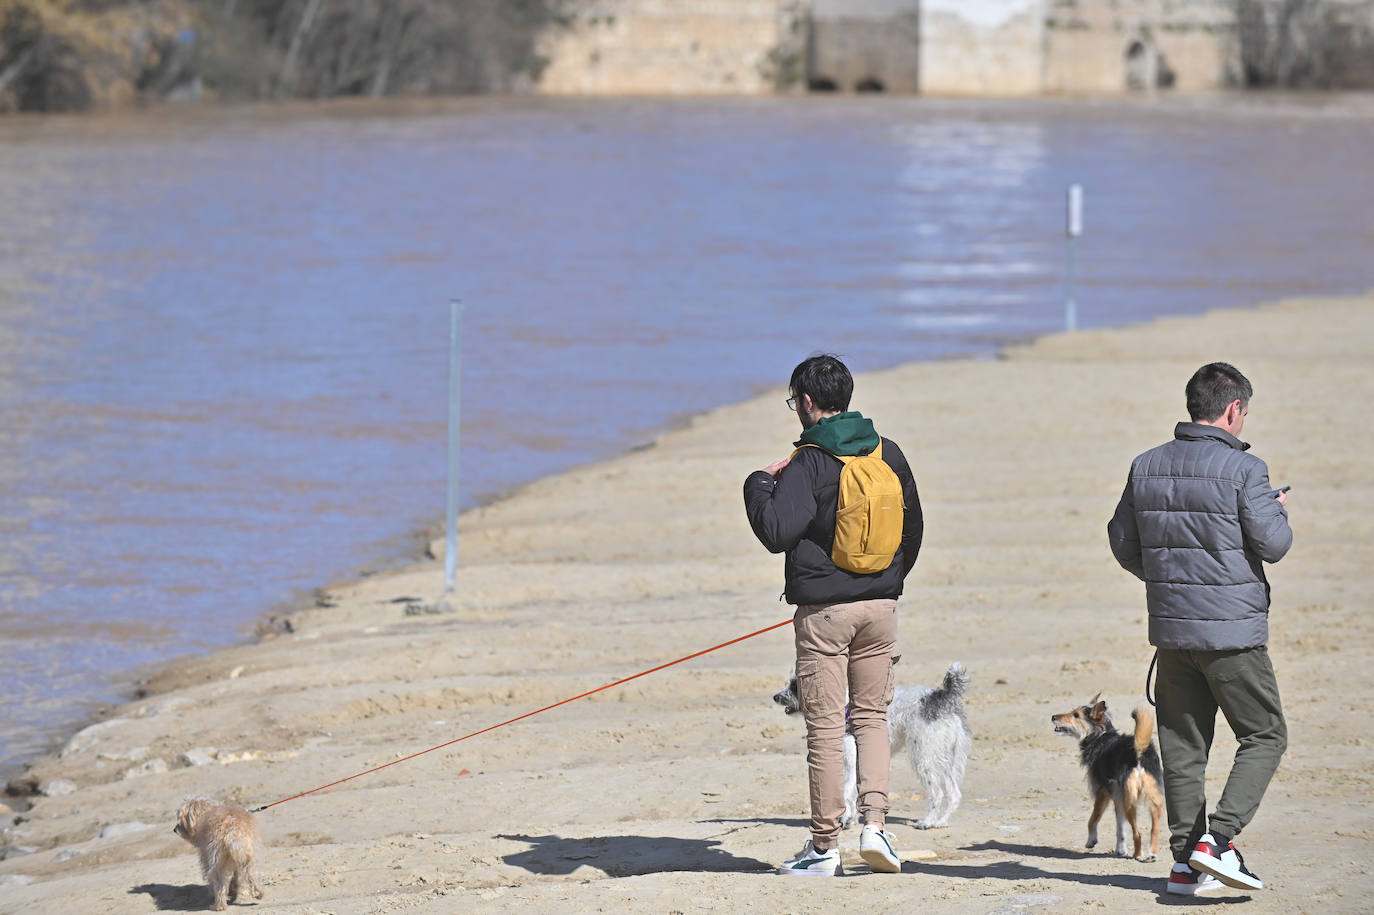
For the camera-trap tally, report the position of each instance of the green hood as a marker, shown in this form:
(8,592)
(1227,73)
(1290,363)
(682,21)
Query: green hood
(845,434)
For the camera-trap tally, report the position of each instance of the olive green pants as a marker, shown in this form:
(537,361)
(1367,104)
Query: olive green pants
(1191,687)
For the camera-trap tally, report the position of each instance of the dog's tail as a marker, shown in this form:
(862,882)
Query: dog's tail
(949,696)
(1144,729)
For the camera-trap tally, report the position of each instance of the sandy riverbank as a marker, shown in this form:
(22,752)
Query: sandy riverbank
(679,791)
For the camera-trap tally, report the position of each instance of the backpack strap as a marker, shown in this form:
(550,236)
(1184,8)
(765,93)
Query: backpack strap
(842,458)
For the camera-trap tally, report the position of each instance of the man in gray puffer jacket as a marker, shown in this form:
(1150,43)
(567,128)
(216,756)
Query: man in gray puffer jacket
(1196,523)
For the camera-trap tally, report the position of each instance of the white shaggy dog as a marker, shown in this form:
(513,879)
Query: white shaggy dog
(931,725)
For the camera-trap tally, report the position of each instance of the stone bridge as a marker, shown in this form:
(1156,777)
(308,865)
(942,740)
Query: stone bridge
(950,47)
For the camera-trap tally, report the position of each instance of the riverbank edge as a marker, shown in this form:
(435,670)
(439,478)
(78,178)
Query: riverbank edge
(1147,346)
(426,543)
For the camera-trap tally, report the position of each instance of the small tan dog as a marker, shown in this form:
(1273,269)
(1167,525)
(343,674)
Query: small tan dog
(227,838)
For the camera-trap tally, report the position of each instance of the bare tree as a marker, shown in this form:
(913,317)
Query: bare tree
(286,83)
(380,47)
(60,53)
(1306,43)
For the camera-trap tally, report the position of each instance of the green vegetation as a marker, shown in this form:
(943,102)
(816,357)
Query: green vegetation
(63,54)
(60,55)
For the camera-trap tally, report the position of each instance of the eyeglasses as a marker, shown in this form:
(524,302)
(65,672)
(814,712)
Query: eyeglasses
(792,404)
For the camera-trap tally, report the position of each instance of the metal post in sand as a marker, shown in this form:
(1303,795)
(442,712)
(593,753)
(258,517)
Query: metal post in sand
(1072,231)
(455,374)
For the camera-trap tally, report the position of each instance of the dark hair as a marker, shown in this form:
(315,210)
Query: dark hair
(1212,389)
(825,380)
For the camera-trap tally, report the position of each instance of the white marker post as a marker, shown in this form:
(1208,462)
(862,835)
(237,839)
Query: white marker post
(1072,230)
(455,375)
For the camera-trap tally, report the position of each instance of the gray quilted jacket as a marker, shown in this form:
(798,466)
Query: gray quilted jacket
(1196,524)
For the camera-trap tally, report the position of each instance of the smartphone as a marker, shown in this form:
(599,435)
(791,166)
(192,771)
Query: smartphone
(1275,493)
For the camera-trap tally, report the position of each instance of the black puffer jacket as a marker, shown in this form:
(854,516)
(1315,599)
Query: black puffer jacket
(797,515)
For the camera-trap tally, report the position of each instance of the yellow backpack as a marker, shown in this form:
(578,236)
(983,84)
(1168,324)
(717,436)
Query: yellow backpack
(868,514)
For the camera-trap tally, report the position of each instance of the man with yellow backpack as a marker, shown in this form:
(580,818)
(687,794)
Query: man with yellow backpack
(844,508)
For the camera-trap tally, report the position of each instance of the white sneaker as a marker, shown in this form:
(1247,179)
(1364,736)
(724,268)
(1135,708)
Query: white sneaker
(1225,864)
(1184,881)
(875,847)
(812,863)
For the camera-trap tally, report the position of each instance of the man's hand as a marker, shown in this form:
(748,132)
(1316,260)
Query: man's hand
(1283,498)
(776,467)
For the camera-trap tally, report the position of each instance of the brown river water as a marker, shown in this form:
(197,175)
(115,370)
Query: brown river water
(223,332)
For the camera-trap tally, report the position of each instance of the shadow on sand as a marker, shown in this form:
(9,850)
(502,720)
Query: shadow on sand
(189,897)
(792,822)
(1015,870)
(625,856)
(628,856)
(1035,851)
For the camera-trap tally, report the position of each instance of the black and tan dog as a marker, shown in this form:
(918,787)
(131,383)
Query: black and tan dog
(1122,769)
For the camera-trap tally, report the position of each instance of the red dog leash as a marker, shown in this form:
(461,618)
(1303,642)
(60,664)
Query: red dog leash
(546,708)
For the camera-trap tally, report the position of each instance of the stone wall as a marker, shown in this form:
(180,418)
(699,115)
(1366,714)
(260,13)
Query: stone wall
(958,47)
(982,47)
(673,47)
(864,45)
(1106,46)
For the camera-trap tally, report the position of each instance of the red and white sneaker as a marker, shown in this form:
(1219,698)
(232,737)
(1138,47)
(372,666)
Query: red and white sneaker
(1225,864)
(1184,881)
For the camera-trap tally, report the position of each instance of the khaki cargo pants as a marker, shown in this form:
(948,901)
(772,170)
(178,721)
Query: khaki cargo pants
(844,652)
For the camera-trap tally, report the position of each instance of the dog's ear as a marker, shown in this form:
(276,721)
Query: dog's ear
(1093,700)
(1099,710)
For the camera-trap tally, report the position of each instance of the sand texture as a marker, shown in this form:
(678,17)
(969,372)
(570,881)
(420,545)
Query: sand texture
(679,791)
